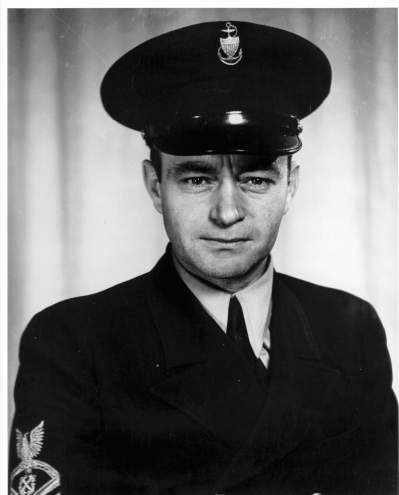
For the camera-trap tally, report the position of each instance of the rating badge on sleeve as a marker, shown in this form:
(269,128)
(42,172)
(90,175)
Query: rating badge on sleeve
(23,480)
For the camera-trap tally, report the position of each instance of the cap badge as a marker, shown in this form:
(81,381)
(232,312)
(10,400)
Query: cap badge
(230,46)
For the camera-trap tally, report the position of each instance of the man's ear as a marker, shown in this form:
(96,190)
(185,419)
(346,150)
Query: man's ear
(293,184)
(152,184)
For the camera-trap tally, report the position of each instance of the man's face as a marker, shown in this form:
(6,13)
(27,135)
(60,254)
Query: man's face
(222,213)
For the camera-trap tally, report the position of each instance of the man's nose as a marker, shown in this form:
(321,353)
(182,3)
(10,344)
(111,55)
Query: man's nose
(227,208)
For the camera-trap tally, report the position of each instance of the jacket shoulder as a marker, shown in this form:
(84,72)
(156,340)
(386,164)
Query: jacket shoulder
(327,298)
(342,323)
(76,319)
(117,296)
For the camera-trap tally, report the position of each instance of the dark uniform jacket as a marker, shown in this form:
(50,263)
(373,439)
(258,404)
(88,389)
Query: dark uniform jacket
(136,390)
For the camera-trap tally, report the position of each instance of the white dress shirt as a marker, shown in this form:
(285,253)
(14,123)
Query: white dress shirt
(255,301)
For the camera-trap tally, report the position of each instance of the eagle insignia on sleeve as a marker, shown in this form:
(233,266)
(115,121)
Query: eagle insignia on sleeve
(28,446)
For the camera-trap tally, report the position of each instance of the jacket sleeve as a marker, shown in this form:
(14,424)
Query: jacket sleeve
(55,439)
(380,412)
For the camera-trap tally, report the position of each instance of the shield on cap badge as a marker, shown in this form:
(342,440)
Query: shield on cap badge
(230,46)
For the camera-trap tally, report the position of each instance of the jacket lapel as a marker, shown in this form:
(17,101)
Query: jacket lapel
(204,376)
(299,381)
(299,385)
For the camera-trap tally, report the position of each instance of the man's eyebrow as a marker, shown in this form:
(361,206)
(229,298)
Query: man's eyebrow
(199,167)
(262,164)
(182,168)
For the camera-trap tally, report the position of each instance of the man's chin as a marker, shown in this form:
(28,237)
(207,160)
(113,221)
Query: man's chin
(221,269)
(215,264)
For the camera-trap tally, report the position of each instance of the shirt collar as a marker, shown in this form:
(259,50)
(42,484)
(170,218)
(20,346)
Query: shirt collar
(255,301)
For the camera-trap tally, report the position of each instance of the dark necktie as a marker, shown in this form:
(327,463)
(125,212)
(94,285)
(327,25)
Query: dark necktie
(237,333)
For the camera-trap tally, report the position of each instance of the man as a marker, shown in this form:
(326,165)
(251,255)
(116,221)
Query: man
(212,373)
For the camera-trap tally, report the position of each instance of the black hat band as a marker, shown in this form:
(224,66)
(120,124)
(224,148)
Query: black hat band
(232,132)
(200,122)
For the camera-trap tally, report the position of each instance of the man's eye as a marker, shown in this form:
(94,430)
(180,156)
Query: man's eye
(256,183)
(194,182)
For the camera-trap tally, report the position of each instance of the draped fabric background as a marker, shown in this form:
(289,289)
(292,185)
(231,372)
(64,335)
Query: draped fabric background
(79,217)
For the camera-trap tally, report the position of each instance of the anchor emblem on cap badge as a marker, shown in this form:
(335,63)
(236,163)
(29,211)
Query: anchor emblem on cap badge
(230,46)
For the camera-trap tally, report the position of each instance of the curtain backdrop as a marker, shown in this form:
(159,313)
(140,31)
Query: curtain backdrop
(79,217)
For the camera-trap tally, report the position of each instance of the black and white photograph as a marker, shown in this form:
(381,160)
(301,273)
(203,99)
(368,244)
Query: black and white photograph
(202,251)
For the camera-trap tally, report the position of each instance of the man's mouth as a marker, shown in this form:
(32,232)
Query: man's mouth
(224,240)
